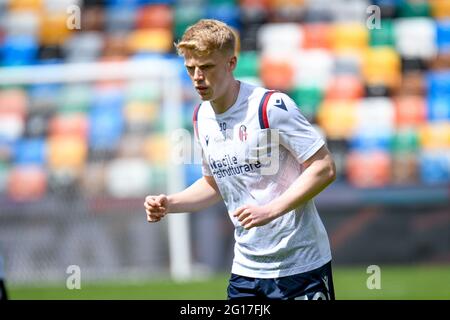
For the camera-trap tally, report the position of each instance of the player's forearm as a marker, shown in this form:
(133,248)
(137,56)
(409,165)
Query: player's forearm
(198,196)
(311,182)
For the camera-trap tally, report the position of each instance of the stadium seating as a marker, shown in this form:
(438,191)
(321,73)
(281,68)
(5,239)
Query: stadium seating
(30,151)
(381,95)
(136,172)
(367,169)
(410,111)
(27,183)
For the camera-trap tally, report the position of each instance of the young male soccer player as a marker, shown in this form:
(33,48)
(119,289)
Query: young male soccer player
(282,249)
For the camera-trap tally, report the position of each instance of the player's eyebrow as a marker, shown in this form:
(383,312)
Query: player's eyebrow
(206,64)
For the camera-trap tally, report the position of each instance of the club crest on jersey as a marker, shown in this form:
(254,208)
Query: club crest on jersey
(243,135)
(207,140)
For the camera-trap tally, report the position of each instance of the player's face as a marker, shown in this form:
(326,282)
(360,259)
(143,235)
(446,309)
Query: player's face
(211,75)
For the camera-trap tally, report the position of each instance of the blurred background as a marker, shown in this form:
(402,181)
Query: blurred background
(90,92)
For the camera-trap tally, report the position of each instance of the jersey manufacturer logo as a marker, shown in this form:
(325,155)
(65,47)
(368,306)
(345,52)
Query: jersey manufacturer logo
(279,103)
(207,140)
(243,133)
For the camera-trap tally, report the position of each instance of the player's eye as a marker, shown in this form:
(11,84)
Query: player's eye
(190,69)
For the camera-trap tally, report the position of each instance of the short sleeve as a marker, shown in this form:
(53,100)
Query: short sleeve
(206,171)
(295,132)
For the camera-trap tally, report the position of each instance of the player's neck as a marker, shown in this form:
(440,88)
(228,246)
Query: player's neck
(228,99)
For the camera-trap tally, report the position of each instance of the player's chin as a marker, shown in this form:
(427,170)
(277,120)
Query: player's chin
(205,96)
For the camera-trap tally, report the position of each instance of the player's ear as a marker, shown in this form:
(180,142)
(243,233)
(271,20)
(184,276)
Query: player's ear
(232,63)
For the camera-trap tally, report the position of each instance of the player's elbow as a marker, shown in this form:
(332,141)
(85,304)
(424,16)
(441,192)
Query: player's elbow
(329,171)
(332,173)
(323,165)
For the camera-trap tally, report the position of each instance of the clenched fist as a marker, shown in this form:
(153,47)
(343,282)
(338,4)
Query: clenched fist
(253,216)
(156,207)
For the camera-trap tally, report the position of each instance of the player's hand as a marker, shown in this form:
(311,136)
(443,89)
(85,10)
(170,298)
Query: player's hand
(253,216)
(156,207)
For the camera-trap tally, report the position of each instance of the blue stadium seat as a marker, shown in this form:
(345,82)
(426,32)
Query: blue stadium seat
(120,19)
(434,168)
(123,3)
(105,129)
(371,140)
(438,107)
(30,151)
(393,3)
(135,3)
(443,35)
(226,13)
(19,50)
(192,172)
(438,83)
(108,99)
(106,121)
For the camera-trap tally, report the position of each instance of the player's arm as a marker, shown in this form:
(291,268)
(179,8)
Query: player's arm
(319,172)
(200,195)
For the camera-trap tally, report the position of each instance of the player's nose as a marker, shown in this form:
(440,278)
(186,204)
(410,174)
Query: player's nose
(198,74)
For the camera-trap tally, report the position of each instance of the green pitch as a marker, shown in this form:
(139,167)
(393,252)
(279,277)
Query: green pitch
(406,283)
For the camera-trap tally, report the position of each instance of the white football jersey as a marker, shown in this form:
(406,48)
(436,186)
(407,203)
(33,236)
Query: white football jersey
(254,151)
